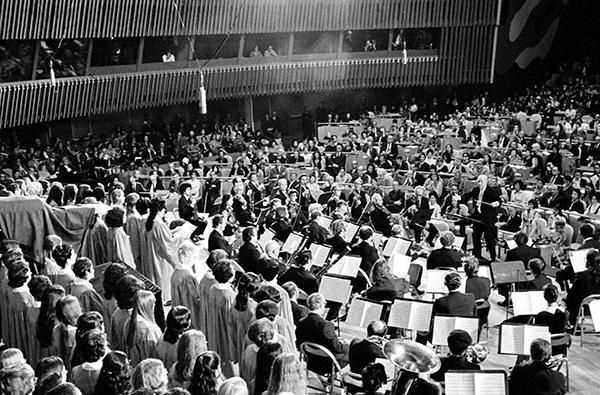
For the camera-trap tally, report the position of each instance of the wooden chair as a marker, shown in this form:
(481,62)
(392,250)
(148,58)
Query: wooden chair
(581,316)
(314,350)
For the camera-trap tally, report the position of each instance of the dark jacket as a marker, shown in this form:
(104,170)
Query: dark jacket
(248,257)
(490,195)
(337,243)
(584,285)
(316,234)
(593,243)
(217,241)
(536,379)
(368,253)
(381,221)
(304,279)
(455,303)
(478,286)
(317,330)
(282,230)
(444,257)
(453,362)
(388,289)
(361,353)
(298,311)
(523,253)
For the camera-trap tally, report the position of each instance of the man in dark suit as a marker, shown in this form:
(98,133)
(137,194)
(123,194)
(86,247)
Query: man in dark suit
(456,302)
(186,211)
(249,252)
(299,312)
(536,377)
(362,352)
(216,240)
(445,256)
(365,249)
(588,241)
(522,252)
(380,216)
(486,200)
(337,161)
(298,274)
(317,330)
(282,226)
(316,233)
(458,341)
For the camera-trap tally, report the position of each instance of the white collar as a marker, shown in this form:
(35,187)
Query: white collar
(23,288)
(92,365)
(81,281)
(223,286)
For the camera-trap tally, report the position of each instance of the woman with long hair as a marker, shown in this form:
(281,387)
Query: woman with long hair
(179,319)
(113,273)
(47,317)
(55,195)
(386,286)
(86,322)
(191,344)
(287,375)
(243,310)
(150,374)
(159,261)
(142,331)
(264,361)
(125,290)
(63,334)
(114,375)
(93,349)
(206,377)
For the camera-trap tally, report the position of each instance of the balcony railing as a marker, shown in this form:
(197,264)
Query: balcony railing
(56,19)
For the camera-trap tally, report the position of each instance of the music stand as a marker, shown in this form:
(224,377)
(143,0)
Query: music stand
(509,272)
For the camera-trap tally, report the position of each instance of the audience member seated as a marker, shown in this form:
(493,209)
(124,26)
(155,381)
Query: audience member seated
(535,376)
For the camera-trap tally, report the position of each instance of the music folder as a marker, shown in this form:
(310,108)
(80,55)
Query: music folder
(292,243)
(362,311)
(436,281)
(528,302)
(578,259)
(476,382)
(399,265)
(266,237)
(516,339)
(595,313)
(444,324)
(396,245)
(351,229)
(324,221)
(320,253)
(410,314)
(336,288)
(347,266)
(508,272)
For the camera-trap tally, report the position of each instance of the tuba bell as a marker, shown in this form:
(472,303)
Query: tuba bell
(412,359)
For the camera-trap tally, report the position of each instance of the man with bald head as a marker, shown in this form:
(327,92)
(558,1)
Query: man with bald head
(362,352)
(486,200)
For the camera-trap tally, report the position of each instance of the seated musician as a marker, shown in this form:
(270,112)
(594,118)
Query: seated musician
(554,317)
(561,237)
(446,256)
(566,275)
(536,376)
(298,310)
(337,242)
(394,200)
(380,216)
(540,280)
(510,222)
(364,351)
(386,286)
(186,210)
(296,211)
(216,240)
(249,252)
(522,252)
(365,249)
(315,329)
(458,342)
(586,283)
(316,233)
(341,210)
(455,302)
(282,226)
(419,211)
(358,199)
(299,274)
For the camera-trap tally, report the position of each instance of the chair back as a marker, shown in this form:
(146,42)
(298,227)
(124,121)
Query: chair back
(314,350)
(415,272)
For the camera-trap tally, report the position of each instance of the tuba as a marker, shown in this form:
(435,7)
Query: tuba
(412,359)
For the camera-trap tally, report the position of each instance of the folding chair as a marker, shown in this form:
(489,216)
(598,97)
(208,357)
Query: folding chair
(314,350)
(581,316)
(562,339)
(483,310)
(353,382)
(362,272)
(415,272)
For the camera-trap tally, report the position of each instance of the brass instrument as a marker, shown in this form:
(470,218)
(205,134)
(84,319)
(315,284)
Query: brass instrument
(476,353)
(412,359)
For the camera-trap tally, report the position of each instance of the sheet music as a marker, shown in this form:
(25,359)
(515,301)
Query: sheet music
(396,245)
(578,259)
(442,326)
(528,303)
(324,221)
(532,332)
(390,371)
(362,312)
(420,316)
(460,383)
(436,278)
(511,339)
(399,265)
(320,253)
(335,289)
(347,266)
(595,312)
(470,325)
(511,244)
(489,383)
(458,242)
(266,237)
(378,239)
(400,314)
(292,243)
(351,230)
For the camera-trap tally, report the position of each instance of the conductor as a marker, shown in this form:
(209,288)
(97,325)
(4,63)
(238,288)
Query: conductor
(486,200)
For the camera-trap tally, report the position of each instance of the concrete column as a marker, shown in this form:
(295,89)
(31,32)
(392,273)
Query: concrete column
(140,54)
